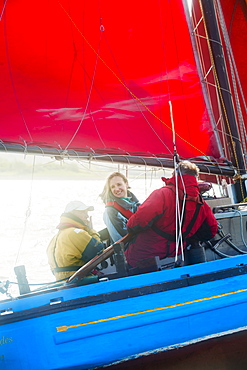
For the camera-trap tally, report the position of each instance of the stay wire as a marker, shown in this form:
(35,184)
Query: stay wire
(179,213)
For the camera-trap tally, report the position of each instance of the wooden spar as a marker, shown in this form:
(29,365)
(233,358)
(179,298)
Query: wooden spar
(90,265)
(205,167)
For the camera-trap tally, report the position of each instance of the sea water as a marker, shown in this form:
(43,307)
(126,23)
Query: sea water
(30,212)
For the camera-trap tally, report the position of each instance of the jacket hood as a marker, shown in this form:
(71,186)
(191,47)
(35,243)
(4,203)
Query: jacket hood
(188,181)
(67,220)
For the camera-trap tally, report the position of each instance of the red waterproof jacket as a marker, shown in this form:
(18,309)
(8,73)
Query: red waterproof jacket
(155,221)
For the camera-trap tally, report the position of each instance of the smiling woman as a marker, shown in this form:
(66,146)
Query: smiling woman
(116,185)
(120,205)
(119,186)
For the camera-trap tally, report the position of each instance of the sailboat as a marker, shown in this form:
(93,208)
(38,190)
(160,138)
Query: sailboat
(131,82)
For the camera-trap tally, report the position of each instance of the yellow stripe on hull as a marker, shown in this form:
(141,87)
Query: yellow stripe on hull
(65,328)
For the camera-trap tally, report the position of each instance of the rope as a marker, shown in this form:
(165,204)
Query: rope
(207,83)
(233,73)
(2,13)
(179,215)
(218,84)
(222,101)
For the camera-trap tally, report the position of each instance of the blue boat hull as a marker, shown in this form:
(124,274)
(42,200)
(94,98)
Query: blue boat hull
(119,320)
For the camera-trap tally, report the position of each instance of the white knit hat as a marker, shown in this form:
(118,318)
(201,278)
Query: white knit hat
(76,205)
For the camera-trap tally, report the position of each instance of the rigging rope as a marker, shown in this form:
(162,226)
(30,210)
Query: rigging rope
(179,212)
(222,101)
(4,6)
(206,72)
(234,74)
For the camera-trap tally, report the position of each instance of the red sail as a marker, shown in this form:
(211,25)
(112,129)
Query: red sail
(98,77)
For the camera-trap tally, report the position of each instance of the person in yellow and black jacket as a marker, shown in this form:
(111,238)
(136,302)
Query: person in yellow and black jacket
(75,243)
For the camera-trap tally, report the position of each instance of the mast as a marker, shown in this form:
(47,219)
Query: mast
(229,117)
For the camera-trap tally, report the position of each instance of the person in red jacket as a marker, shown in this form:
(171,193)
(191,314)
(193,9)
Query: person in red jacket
(156,222)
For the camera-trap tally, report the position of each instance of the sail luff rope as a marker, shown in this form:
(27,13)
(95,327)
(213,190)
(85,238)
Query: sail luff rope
(223,104)
(217,82)
(222,130)
(206,72)
(126,87)
(203,70)
(227,40)
(234,74)
(239,112)
(203,66)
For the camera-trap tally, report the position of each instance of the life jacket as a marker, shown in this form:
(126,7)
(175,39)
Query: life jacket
(125,212)
(64,268)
